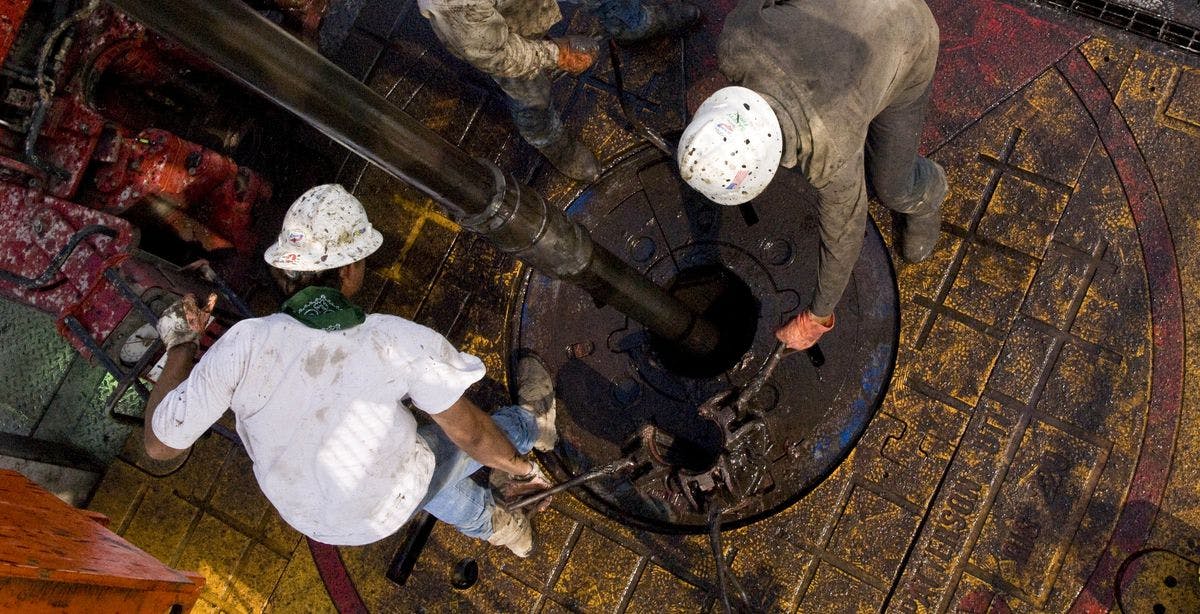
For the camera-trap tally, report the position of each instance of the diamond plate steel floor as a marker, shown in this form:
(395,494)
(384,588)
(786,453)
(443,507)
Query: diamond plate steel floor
(1037,450)
(49,393)
(34,362)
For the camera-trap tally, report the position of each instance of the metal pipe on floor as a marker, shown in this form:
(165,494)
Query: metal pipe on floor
(475,192)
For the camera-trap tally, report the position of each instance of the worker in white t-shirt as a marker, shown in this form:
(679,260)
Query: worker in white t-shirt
(321,393)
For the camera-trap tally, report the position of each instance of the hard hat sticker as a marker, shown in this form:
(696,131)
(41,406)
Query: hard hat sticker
(738,179)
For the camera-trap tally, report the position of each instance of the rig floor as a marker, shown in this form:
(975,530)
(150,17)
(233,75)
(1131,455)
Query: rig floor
(1038,447)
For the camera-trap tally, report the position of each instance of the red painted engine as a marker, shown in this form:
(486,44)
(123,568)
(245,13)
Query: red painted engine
(108,131)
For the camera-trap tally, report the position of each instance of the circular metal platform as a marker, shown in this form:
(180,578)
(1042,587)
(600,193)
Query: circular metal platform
(749,269)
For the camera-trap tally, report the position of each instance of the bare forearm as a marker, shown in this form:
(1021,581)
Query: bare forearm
(491,447)
(180,360)
(476,434)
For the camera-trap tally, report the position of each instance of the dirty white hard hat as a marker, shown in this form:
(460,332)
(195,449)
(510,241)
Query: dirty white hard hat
(731,150)
(324,229)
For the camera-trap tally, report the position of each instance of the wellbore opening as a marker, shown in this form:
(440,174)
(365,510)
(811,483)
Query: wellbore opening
(721,297)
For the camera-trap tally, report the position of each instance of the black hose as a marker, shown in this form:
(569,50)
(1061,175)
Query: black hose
(46,87)
(725,576)
(626,108)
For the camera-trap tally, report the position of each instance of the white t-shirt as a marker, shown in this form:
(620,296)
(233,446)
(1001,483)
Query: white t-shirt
(321,415)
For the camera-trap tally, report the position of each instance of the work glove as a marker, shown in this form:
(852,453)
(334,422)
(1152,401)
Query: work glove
(576,54)
(803,331)
(507,488)
(184,321)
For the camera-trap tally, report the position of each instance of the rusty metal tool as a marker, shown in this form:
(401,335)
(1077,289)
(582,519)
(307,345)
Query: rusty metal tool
(756,384)
(618,466)
(619,82)
(781,351)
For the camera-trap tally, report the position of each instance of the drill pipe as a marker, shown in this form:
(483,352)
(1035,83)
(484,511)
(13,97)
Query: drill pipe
(475,192)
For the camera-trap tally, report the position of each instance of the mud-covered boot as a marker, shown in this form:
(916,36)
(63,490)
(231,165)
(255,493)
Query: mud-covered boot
(512,530)
(535,392)
(920,232)
(571,158)
(668,19)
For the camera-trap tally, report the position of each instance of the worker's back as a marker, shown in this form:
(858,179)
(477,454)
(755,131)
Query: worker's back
(833,65)
(322,416)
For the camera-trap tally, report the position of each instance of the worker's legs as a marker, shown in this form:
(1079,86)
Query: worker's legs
(617,15)
(453,497)
(631,21)
(529,103)
(539,124)
(904,181)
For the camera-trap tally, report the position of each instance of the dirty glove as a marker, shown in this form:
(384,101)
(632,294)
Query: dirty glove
(803,331)
(508,488)
(184,321)
(576,54)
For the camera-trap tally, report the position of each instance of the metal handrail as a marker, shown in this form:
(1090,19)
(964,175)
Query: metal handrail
(33,283)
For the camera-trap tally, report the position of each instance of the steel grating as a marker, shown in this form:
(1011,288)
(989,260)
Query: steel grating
(1170,31)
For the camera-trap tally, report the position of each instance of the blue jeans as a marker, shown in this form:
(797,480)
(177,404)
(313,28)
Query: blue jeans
(617,16)
(453,497)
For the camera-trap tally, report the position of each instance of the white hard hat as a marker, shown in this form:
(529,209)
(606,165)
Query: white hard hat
(324,229)
(731,150)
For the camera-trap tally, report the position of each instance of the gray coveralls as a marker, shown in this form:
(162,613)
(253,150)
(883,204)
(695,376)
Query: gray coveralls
(503,38)
(849,81)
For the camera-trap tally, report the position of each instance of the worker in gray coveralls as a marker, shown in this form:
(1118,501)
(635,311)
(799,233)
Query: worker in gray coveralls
(839,89)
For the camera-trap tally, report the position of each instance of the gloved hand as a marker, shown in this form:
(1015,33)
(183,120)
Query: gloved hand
(576,54)
(508,488)
(803,331)
(184,321)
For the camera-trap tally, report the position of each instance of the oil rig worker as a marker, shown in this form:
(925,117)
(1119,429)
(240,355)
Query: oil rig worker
(506,40)
(837,88)
(321,394)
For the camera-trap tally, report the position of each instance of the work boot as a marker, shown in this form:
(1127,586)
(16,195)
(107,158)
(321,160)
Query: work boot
(511,530)
(571,158)
(535,392)
(920,232)
(661,20)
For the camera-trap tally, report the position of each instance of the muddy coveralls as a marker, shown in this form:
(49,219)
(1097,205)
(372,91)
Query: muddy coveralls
(849,81)
(503,38)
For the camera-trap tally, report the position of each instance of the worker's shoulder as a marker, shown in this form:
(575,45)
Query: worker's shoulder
(260,323)
(750,18)
(250,330)
(393,323)
(456,6)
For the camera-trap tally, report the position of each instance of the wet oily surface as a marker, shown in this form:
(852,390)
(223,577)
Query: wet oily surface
(748,269)
(1036,447)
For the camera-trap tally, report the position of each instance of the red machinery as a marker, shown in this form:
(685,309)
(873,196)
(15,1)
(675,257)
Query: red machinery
(91,105)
